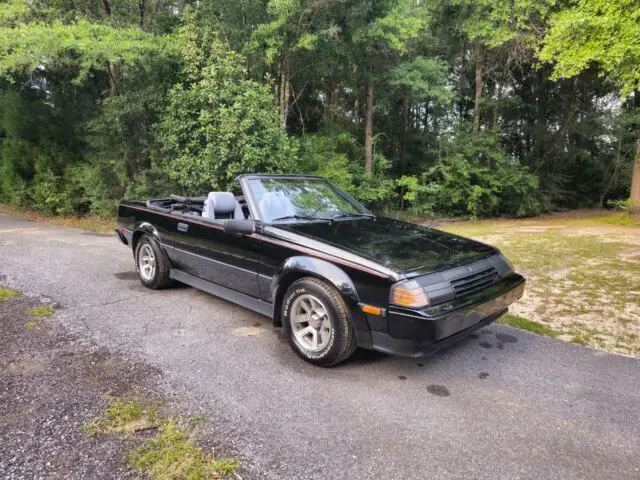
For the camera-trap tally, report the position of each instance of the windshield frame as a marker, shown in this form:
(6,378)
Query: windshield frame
(257,213)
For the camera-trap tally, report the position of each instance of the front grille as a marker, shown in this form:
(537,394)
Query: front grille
(474,282)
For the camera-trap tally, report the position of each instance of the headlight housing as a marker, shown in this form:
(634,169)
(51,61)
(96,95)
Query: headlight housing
(408,294)
(507,262)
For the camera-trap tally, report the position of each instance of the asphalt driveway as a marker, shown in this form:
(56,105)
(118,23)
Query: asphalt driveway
(507,404)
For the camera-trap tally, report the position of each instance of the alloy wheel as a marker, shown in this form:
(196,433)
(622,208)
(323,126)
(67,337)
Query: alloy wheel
(147,262)
(310,323)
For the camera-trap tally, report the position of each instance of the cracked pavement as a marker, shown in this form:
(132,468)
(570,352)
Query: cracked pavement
(505,404)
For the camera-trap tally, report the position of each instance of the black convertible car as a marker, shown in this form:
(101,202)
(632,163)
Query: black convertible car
(332,274)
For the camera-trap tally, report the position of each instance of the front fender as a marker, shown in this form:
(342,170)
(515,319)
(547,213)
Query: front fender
(294,266)
(299,266)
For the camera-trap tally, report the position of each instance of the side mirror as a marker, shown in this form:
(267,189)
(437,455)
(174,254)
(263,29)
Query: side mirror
(239,226)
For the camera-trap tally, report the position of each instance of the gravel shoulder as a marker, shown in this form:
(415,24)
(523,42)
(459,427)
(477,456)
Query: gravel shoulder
(51,383)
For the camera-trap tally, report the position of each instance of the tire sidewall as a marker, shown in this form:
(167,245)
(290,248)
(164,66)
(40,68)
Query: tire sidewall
(295,291)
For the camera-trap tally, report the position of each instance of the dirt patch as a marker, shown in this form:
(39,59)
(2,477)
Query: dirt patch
(582,276)
(51,383)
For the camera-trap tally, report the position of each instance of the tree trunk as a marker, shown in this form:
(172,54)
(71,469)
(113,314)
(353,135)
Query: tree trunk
(356,111)
(106,8)
(476,108)
(285,86)
(115,77)
(113,68)
(635,179)
(368,130)
(141,9)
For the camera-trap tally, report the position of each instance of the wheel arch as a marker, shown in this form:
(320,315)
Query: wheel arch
(298,267)
(140,230)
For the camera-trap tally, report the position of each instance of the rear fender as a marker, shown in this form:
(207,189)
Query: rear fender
(150,230)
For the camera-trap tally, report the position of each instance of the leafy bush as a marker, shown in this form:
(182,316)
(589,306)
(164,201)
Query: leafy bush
(218,123)
(337,157)
(475,180)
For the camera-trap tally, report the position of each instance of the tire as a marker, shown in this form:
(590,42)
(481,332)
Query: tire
(302,314)
(152,265)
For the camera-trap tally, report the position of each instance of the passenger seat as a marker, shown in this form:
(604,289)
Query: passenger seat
(222,205)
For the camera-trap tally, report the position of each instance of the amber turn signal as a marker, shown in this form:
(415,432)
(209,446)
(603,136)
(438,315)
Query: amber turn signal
(371,310)
(409,294)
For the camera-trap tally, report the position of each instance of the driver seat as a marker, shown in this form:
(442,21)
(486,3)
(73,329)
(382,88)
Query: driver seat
(222,205)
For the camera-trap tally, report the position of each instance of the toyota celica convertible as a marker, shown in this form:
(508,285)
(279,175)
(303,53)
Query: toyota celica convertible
(331,273)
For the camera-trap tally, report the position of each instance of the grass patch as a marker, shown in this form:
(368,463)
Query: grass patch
(124,415)
(30,324)
(43,311)
(524,324)
(8,293)
(621,219)
(172,454)
(92,223)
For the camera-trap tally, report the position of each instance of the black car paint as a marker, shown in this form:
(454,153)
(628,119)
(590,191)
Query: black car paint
(361,257)
(405,247)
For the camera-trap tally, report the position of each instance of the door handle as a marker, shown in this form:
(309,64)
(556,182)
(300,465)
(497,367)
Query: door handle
(182,227)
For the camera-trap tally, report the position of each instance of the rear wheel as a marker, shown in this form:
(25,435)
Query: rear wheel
(151,264)
(317,323)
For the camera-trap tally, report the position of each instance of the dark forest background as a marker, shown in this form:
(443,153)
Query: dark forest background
(442,107)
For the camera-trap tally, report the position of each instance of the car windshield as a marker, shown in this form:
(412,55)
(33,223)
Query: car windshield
(300,199)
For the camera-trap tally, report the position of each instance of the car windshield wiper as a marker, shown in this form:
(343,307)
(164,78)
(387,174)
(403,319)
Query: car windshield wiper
(300,217)
(352,215)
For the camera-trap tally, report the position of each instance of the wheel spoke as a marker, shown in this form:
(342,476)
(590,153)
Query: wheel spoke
(308,306)
(298,319)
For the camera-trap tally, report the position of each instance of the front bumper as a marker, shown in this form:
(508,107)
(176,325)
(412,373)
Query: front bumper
(416,333)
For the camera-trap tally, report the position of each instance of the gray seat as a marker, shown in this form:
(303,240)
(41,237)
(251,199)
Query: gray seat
(276,205)
(222,205)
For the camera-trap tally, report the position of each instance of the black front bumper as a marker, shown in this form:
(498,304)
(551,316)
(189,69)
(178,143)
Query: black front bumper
(416,333)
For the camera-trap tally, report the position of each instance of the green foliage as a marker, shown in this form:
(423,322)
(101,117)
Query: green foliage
(35,46)
(495,23)
(98,105)
(334,157)
(392,30)
(124,415)
(43,311)
(218,123)
(525,324)
(6,293)
(605,32)
(423,79)
(477,180)
(172,454)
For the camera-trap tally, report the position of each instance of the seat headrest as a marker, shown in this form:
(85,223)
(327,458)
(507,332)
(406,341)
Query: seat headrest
(223,202)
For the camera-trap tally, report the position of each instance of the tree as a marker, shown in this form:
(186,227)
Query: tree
(384,31)
(218,123)
(602,32)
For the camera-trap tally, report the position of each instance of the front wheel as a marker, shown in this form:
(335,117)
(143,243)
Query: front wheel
(317,323)
(151,264)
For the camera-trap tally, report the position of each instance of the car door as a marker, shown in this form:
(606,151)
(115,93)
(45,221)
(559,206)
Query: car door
(203,249)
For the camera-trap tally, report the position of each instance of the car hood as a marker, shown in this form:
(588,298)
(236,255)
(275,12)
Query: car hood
(406,247)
